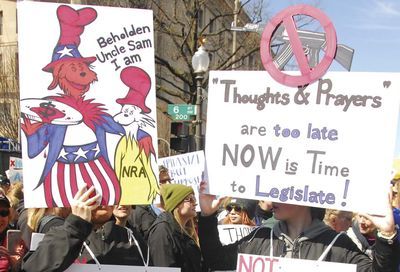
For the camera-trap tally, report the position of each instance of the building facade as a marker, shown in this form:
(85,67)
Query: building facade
(9,90)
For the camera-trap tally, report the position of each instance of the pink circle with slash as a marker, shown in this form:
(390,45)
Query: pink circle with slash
(308,75)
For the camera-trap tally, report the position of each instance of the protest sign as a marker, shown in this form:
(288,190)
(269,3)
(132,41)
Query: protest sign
(15,175)
(121,268)
(329,144)
(257,263)
(88,103)
(14,172)
(15,163)
(186,169)
(230,233)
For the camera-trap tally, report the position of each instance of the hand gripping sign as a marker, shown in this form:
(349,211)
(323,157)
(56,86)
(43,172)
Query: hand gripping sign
(308,74)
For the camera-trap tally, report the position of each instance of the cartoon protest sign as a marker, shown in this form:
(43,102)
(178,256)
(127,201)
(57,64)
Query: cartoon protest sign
(329,144)
(257,263)
(87,103)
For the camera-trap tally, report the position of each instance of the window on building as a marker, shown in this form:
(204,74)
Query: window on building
(16,65)
(186,87)
(1,22)
(251,61)
(210,55)
(5,107)
(212,26)
(1,64)
(200,18)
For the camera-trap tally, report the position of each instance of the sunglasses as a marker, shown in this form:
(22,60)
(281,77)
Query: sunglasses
(190,199)
(231,207)
(4,213)
(167,180)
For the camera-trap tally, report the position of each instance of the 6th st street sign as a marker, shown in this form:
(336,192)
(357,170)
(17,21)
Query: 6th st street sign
(181,112)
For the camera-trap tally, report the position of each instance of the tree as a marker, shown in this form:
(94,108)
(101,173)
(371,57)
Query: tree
(9,91)
(180,25)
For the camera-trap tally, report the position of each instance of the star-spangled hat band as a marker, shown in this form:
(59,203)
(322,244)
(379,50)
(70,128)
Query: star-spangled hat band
(66,52)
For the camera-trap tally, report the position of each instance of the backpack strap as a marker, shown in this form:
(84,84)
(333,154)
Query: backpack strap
(322,257)
(44,220)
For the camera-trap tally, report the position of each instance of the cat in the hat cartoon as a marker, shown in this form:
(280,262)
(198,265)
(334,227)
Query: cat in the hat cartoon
(135,151)
(76,149)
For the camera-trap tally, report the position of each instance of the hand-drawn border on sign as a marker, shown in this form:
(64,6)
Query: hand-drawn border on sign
(307,75)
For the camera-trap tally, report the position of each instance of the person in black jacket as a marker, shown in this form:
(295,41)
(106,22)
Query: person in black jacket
(299,234)
(144,215)
(173,241)
(87,236)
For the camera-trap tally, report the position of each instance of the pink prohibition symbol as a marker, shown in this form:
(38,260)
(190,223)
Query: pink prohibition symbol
(308,75)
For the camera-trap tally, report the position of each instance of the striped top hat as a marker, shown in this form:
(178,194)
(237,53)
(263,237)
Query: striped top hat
(72,24)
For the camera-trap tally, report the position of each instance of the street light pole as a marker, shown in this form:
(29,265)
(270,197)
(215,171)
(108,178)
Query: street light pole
(199,110)
(200,62)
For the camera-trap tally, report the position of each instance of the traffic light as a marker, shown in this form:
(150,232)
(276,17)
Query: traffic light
(180,140)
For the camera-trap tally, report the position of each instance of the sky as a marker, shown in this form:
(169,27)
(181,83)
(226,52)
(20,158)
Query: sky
(370,27)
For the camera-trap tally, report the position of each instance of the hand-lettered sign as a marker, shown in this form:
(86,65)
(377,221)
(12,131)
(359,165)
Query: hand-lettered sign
(256,263)
(315,146)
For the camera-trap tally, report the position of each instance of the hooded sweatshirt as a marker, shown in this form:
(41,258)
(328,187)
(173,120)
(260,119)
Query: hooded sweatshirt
(310,245)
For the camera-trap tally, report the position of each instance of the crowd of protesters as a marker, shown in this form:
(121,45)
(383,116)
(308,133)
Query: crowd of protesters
(173,233)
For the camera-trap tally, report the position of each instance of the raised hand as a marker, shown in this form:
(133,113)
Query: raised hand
(83,204)
(208,203)
(384,223)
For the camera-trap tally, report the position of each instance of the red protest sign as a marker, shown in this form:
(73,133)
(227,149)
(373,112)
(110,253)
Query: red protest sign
(308,74)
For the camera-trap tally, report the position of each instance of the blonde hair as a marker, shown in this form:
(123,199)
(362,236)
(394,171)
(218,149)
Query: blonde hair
(35,214)
(16,190)
(332,213)
(396,189)
(190,227)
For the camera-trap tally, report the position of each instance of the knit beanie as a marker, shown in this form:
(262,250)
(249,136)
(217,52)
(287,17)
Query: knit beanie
(173,194)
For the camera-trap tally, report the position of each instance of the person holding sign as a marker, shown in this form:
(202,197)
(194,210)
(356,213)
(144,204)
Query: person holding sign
(173,239)
(300,234)
(87,236)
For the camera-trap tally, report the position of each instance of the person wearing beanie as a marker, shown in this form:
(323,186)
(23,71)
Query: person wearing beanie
(173,240)
(240,211)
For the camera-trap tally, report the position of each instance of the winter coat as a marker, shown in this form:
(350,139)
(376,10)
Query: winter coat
(360,240)
(309,245)
(142,218)
(63,245)
(170,247)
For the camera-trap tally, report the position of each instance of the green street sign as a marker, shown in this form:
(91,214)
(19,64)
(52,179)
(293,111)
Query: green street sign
(181,112)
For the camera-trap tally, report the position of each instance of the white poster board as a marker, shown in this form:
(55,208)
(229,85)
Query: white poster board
(119,268)
(319,146)
(186,169)
(15,172)
(231,233)
(88,103)
(257,263)
(15,163)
